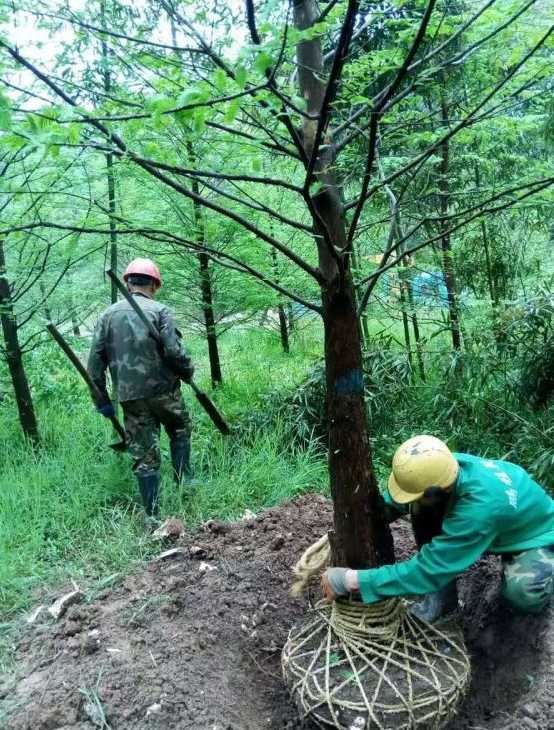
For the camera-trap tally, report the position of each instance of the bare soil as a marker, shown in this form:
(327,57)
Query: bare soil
(194,641)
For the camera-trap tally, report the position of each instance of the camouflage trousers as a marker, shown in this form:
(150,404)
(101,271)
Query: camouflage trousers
(528,579)
(143,418)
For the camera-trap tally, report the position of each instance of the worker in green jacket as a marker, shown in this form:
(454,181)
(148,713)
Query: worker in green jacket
(461,507)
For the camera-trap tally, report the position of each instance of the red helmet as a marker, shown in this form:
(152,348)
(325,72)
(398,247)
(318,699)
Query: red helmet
(143,267)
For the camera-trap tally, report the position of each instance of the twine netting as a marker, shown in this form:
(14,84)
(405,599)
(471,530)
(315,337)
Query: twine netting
(356,666)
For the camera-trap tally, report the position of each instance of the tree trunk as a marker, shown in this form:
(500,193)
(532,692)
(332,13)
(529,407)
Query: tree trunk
(415,327)
(209,320)
(363,319)
(361,536)
(406,323)
(283,325)
(113,233)
(14,357)
(109,158)
(447,263)
(290,317)
(206,286)
(283,329)
(47,312)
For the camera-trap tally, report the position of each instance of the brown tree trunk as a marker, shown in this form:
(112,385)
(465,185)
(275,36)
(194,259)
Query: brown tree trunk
(209,320)
(105,59)
(47,312)
(14,357)
(283,329)
(283,325)
(206,287)
(361,535)
(113,232)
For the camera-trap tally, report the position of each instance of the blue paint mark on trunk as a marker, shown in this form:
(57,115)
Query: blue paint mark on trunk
(351,383)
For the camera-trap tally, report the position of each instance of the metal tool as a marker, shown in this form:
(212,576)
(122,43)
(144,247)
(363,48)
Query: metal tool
(97,396)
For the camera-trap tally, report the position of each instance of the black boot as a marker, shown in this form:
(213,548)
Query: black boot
(149,484)
(180,458)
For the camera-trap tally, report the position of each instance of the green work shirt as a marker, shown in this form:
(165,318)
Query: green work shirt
(497,507)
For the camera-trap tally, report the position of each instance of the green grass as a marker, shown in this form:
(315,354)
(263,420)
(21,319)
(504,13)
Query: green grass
(69,510)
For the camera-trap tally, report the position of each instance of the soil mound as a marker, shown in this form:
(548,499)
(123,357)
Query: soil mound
(194,640)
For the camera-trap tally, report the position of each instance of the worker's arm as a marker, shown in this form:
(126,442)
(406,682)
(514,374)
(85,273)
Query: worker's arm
(98,359)
(393,510)
(461,543)
(173,352)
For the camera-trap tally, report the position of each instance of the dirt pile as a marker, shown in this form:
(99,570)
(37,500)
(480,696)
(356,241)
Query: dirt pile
(194,641)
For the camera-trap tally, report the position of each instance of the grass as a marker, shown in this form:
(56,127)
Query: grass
(70,509)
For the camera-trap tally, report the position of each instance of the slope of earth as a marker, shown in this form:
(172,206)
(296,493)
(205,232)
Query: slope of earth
(194,641)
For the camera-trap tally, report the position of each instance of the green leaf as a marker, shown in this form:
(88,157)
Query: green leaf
(241,76)
(74,133)
(220,79)
(192,95)
(5,119)
(256,164)
(200,120)
(14,141)
(232,111)
(160,104)
(263,62)
(5,112)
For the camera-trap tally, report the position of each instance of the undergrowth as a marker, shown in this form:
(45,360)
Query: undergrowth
(70,509)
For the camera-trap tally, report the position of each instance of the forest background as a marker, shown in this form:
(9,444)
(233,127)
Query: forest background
(160,129)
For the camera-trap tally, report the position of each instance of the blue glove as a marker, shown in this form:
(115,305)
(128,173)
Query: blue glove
(107,410)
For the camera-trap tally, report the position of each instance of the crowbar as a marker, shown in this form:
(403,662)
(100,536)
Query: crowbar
(97,396)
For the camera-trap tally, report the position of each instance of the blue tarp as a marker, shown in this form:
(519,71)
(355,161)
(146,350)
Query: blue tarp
(429,288)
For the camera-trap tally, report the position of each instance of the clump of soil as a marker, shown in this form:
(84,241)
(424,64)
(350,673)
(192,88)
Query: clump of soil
(194,641)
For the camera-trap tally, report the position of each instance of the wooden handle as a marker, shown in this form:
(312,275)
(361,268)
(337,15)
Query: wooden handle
(77,364)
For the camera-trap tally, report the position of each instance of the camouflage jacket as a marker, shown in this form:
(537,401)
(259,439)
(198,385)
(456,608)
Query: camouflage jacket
(123,344)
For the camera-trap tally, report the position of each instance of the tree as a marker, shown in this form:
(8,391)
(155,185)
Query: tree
(248,103)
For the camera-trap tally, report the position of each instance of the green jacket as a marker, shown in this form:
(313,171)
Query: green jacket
(497,507)
(122,343)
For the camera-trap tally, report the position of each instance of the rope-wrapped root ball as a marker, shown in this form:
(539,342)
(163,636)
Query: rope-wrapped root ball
(355,666)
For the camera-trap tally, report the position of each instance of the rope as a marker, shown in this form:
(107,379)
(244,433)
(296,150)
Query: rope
(358,666)
(312,562)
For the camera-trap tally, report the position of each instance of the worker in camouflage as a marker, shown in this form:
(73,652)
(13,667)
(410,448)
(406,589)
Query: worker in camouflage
(528,579)
(461,507)
(146,379)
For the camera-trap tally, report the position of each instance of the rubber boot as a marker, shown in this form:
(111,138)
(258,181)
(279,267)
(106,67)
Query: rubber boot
(436,605)
(149,484)
(180,458)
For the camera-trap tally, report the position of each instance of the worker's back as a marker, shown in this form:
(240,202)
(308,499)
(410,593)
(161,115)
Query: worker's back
(132,355)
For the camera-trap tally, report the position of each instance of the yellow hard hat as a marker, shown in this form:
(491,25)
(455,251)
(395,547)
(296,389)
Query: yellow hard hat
(421,462)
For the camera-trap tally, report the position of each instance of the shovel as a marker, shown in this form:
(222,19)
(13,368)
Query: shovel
(201,397)
(97,396)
